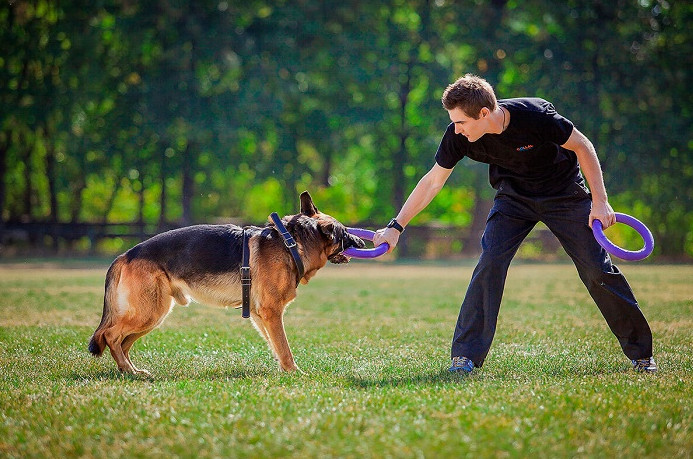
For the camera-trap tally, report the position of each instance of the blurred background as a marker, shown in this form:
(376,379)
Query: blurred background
(119,119)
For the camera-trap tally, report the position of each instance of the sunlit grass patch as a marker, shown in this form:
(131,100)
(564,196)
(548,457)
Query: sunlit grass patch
(373,340)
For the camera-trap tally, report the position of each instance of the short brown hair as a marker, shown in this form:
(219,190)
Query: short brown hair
(470,93)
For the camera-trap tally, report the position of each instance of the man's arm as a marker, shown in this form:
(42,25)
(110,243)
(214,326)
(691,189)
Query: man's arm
(589,163)
(424,192)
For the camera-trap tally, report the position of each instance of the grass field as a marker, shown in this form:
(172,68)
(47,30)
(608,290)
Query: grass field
(373,340)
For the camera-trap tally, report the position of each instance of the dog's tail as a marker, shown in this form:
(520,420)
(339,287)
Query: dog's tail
(97,344)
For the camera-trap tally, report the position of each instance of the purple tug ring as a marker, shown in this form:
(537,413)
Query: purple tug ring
(629,255)
(365,253)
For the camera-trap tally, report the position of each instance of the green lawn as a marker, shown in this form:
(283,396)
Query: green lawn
(373,340)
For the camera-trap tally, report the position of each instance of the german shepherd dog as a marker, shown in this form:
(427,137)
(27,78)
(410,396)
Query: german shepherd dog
(202,263)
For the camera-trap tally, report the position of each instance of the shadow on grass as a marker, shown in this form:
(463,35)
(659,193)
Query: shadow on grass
(496,375)
(493,374)
(174,375)
(440,377)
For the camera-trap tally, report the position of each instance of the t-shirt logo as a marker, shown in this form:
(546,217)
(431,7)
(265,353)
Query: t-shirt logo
(525,148)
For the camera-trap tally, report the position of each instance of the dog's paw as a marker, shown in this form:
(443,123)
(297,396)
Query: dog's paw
(294,369)
(143,374)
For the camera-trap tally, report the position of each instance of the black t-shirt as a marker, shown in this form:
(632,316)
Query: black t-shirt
(528,153)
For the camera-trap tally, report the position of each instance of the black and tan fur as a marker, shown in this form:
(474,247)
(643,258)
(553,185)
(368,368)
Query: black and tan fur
(202,263)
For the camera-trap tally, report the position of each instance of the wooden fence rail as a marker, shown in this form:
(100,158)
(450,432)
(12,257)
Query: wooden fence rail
(425,241)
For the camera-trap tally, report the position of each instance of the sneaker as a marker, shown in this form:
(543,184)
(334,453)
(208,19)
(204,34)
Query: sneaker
(646,365)
(461,365)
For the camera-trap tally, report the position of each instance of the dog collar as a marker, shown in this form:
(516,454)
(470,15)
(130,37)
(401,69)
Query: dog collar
(290,244)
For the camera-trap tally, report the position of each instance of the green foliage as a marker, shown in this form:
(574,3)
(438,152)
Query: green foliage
(184,111)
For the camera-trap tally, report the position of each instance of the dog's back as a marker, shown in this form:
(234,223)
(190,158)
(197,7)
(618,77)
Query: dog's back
(193,251)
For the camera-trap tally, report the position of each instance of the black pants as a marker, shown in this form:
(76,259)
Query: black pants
(567,215)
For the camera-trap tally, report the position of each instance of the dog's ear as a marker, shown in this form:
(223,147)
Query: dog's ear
(307,206)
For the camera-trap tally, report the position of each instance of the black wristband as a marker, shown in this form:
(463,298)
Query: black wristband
(394,224)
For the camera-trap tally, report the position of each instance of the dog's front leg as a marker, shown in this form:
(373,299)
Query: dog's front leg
(259,325)
(273,321)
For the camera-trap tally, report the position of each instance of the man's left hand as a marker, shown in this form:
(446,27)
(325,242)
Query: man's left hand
(603,212)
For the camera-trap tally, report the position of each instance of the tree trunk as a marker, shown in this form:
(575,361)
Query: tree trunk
(163,196)
(28,181)
(290,195)
(188,183)
(114,192)
(52,198)
(111,200)
(400,159)
(79,185)
(471,243)
(140,203)
(4,148)
(483,202)
(326,168)
(50,176)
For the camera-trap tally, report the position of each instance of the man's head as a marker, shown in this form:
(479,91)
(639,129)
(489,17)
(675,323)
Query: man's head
(470,94)
(469,102)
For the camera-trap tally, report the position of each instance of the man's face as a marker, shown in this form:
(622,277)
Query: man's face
(468,126)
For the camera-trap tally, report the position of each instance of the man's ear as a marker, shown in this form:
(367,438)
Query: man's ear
(307,206)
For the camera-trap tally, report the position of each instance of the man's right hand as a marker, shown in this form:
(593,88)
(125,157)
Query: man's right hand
(389,235)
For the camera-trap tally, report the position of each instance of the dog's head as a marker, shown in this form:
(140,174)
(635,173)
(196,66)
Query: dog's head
(333,232)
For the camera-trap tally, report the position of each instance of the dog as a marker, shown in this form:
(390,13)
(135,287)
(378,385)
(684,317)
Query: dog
(202,263)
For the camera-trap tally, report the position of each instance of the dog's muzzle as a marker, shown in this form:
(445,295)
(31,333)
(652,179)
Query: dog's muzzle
(347,240)
(338,259)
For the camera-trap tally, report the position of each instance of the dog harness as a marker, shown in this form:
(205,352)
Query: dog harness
(290,244)
(245,275)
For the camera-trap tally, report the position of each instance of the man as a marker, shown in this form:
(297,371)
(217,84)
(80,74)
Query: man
(534,156)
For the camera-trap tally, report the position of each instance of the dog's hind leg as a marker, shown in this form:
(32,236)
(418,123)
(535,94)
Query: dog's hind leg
(143,302)
(114,340)
(127,344)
